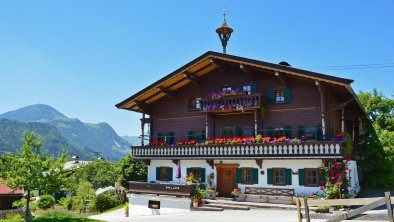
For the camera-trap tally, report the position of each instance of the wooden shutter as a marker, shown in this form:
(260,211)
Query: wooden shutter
(270,132)
(253,88)
(191,135)
(202,175)
(238,131)
(271,96)
(270,176)
(171,138)
(288,177)
(188,171)
(288,96)
(319,132)
(301,131)
(169,174)
(157,173)
(288,131)
(321,177)
(255,174)
(301,177)
(238,175)
(203,135)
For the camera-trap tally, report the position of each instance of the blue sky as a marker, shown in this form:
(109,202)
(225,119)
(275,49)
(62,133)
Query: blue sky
(83,57)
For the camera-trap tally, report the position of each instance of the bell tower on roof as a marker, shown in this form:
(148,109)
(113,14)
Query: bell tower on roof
(224,33)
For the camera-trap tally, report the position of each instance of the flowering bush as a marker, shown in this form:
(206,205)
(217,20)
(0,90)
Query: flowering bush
(157,143)
(223,93)
(186,142)
(191,178)
(236,192)
(336,182)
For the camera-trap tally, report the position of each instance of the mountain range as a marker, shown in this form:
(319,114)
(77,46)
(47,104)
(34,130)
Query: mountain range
(62,133)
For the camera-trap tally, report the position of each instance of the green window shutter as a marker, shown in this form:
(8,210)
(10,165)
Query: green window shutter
(288,177)
(270,132)
(160,137)
(253,88)
(157,173)
(203,135)
(169,174)
(288,96)
(238,131)
(301,131)
(301,177)
(255,176)
(270,176)
(319,132)
(288,131)
(271,96)
(202,174)
(188,171)
(238,175)
(191,135)
(172,138)
(321,177)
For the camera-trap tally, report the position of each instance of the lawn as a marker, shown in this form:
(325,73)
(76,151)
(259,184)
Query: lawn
(55,215)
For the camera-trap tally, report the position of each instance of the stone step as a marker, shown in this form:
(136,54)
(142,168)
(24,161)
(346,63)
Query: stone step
(253,204)
(227,206)
(206,208)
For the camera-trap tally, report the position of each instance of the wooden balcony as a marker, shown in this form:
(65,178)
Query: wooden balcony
(306,150)
(232,103)
(162,189)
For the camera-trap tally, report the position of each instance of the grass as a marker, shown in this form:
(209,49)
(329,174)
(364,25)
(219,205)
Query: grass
(58,215)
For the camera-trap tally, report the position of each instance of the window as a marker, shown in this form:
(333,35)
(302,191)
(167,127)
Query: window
(279,95)
(247,89)
(196,172)
(247,175)
(195,104)
(227,132)
(279,132)
(164,173)
(279,176)
(226,89)
(310,133)
(248,132)
(311,177)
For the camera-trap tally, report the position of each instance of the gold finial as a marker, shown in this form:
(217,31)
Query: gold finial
(224,32)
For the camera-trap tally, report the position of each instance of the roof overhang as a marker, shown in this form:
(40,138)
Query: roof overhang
(204,64)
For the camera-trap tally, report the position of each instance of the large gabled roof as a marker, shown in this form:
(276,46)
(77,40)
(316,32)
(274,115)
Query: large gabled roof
(203,65)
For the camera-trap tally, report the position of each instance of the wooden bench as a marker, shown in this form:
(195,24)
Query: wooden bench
(268,195)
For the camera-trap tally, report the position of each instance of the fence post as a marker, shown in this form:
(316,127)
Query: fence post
(389,208)
(306,209)
(299,214)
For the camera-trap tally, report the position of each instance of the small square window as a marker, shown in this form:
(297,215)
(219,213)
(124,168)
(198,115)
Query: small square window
(226,89)
(247,175)
(279,176)
(247,89)
(311,177)
(194,104)
(197,173)
(280,95)
(310,133)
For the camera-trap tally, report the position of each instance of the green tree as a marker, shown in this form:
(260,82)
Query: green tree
(129,169)
(84,192)
(32,170)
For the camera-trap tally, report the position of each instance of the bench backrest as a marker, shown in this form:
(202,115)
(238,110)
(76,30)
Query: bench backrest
(269,191)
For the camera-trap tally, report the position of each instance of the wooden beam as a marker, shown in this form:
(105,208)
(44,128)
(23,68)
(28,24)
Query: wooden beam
(216,65)
(168,92)
(321,90)
(306,208)
(175,161)
(247,71)
(193,78)
(281,78)
(340,106)
(143,105)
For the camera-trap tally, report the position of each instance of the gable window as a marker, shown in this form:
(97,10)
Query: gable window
(247,175)
(194,104)
(247,89)
(311,177)
(279,176)
(280,95)
(310,133)
(226,89)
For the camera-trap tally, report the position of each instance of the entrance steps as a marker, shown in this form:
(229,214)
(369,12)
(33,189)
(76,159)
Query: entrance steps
(230,202)
(227,206)
(206,208)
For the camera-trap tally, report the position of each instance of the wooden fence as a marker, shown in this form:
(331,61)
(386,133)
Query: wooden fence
(365,203)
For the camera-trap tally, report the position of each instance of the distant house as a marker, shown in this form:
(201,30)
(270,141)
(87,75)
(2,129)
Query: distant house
(8,196)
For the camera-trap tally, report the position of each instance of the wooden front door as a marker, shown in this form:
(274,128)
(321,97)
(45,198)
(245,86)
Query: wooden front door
(226,179)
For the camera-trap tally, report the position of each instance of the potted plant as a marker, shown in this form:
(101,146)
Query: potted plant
(236,193)
(195,202)
(190,179)
(126,209)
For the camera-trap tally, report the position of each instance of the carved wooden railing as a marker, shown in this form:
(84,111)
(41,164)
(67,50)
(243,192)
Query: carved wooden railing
(234,102)
(163,189)
(311,149)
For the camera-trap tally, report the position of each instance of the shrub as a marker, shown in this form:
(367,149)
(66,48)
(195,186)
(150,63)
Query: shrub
(19,203)
(105,201)
(66,202)
(46,201)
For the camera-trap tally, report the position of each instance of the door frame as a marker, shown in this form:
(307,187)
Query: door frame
(224,166)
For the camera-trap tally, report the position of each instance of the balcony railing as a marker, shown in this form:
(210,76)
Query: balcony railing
(264,150)
(231,103)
